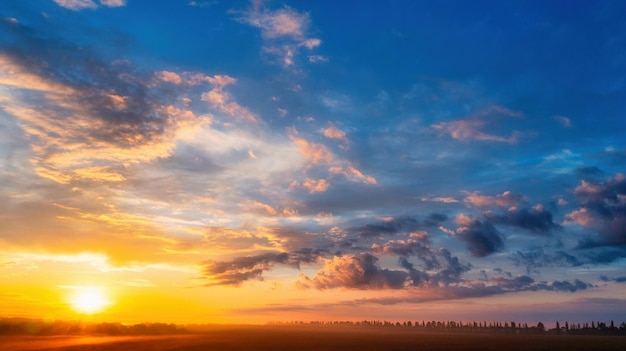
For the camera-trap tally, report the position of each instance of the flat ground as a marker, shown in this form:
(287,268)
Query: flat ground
(327,338)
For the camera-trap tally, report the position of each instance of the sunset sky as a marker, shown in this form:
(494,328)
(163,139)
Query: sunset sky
(251,161)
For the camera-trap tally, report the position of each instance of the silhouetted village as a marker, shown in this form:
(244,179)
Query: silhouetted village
(25,326)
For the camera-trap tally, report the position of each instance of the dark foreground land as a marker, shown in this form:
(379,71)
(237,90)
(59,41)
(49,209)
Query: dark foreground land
(292,338)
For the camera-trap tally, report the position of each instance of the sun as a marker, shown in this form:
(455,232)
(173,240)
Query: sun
(89,300)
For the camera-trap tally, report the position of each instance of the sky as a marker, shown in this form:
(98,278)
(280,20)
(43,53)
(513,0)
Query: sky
(254,161)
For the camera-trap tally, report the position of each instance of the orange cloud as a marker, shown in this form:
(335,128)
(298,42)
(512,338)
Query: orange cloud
(352,173)
(506,199)
(316,186)
(333,133)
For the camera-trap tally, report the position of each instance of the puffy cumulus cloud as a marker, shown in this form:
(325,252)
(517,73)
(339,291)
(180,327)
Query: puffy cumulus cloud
(360,271)
(535,219)
(506,199)
(241,269)
(285,31)
(603,208)
(481,237)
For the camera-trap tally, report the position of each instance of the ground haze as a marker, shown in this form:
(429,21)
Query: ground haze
(290,338)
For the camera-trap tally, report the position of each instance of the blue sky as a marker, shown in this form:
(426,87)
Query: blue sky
(401,155)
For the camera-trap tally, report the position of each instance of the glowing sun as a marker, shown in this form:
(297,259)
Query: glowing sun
(89,300)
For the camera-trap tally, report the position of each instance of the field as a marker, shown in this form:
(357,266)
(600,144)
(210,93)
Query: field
(277,338)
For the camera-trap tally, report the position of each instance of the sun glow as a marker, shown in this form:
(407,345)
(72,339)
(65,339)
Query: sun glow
(89,300)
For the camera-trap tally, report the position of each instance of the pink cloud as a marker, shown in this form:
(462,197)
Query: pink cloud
(333,133)
(316,186)
(506,199)
(349,171)
(470,129)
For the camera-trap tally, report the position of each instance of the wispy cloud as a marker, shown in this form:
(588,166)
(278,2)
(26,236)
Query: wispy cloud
(76,5)
(285,30)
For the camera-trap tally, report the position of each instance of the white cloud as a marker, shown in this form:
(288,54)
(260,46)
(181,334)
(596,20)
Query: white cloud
(113,3)
(76,5)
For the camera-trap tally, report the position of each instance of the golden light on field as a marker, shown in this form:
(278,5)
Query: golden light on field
(89,300)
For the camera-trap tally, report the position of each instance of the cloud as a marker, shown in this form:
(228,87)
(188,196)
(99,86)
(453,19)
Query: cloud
(284,30)
(318,59)
(468,130)
(565,121)
(89,131)
(76,5)
(222,101)
(389,226)
(333,133)
(316,186)
(352,173)
(622,279)
(603,208)
(241,269)
(447,199)
(481,237)
(536,219)
(536,258)
(471,128)
(506,199)
(360,271)
(410,247)
(477,289)
(113,3)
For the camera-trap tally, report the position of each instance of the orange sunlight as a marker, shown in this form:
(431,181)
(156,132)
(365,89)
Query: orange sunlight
(89,300)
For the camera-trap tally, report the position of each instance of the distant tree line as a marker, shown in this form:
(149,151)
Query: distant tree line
(26,326)
(593,328)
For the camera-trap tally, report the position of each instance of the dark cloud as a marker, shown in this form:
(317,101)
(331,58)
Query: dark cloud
(481,237)
(390,227)
(589,172)
(435,219)
(477,289)
(603,209)
(601,254)
(536,258)
(360,271)
(240,269)
(397,225)
(537,219)
(604,278)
